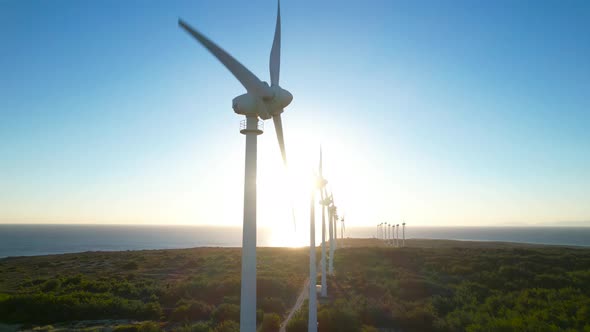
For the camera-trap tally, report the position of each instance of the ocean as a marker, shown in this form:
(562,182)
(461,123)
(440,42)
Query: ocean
(28,240)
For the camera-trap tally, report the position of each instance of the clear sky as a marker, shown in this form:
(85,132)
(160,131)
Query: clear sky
(438,112)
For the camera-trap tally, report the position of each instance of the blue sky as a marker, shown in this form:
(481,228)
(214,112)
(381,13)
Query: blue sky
(438,112)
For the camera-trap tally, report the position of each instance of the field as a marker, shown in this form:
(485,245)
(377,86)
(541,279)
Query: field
(431,285)
(172,287)
(456,286)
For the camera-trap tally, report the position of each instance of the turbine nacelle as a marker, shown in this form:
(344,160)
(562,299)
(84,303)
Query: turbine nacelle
(264,107)
(281,98)
(249,104)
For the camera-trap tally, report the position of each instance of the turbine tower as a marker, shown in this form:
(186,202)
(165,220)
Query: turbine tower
(330,209)
(332,235)
(404,234)
(397,234)
(334,221)
(323,264)
(389,236)
(312,325)
(342,230)
(264,102)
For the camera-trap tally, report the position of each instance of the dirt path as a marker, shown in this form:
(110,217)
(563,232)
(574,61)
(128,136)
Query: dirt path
(302,296)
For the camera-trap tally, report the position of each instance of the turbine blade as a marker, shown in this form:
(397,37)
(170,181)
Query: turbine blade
(275,52)
(279,129)
(252,83)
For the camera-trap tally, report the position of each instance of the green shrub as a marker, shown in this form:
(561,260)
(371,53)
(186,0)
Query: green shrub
(149,327)
(272,304)
(227,326)
(270,323)
(126,328)
(226,311)
(50,285)
(131,266)
(197,327)
(191,311)
(297,324)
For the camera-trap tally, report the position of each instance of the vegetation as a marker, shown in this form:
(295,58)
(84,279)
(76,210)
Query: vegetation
(189,289)
(441,286)
(457,289)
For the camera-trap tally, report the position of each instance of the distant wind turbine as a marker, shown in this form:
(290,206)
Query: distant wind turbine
(404,234)
(312,325)
(323,202)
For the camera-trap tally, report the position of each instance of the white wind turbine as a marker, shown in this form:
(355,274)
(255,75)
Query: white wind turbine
(403,234)
(260,101)
(335,221)
(342,228)
(312,318)
(332,215)
(323,202)
(389,235)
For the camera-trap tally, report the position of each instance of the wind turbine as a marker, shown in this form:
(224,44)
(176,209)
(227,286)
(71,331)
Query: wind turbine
(388,240)
(335,221)
(323,202)
(332,209)
(312,325)
(397,235)
(404,234)
(260,101)
(342,229)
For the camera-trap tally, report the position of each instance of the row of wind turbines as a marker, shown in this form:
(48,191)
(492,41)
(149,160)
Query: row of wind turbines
(264,102)
(390,234)
(327,204)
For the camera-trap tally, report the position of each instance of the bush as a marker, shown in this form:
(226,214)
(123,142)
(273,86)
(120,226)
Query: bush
(191,311)
(198,327)
(272,305)
(228,326)
(225,312)
(270,323)
(143,327)
(131,266)
(338,318)
(149,327)
(51,285)
(126,328)
(297,324)
(47,308)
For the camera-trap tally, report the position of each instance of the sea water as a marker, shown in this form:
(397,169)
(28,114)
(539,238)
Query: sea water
(27,240)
